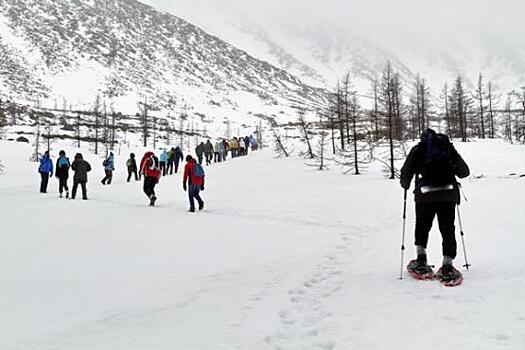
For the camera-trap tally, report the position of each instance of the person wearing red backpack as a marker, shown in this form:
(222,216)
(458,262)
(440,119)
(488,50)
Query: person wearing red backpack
(150,168)
(193,182)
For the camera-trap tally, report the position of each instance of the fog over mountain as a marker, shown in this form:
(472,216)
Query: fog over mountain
(320,40)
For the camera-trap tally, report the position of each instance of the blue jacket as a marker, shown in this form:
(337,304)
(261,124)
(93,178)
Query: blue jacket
(164,157)
(110,164)
(46,165)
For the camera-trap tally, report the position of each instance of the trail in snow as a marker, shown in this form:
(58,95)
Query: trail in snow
(284,257)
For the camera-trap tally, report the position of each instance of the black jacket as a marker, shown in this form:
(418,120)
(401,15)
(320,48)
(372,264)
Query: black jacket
(62,172)
(81,168)
(415,165)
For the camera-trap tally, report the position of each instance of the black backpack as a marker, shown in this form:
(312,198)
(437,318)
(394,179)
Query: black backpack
(438,160)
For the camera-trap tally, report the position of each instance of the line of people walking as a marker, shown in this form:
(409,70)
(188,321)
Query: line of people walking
(151,167)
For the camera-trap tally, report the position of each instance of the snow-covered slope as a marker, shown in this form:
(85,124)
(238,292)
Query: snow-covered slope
(284,257)
(321,48)
(127,51)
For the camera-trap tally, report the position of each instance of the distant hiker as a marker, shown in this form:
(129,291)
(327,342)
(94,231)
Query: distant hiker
(217,152)
(109,167)
(246,144)
(222,151)
(436,163)
(163,162)
(242,147)
(131,164)
(62,173)
(200,151)
(226,145)
(193,182)
(208,151)
(150,168)
(81,169)
(171,161)
(234,147)
(253,143)
(46,170)
(179,156)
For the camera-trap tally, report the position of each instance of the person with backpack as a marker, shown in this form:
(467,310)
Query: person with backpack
(62,173)
(217,152)
(150,168)
(199,151)
(246,144)
(46,170)
(234,146)
(163,162)
(193,182)
(131,164)
(171,160)
(109,167)
(208,151)
(179,156)
(81,169)
(226,146)
(435,164)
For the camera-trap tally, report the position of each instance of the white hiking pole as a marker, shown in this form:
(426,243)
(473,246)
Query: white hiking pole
(467,265)
(403,238)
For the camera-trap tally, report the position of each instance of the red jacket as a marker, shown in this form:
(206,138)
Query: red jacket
(188,172)
(145,166)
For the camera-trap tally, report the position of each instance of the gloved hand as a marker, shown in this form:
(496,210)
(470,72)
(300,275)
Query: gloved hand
(406,186)
(184,187)
(202,187)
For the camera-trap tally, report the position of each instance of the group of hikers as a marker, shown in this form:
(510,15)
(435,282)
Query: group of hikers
(151,167)
(434,162)
(218,152)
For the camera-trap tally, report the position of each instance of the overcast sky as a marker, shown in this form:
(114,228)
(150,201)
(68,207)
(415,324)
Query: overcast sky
(376,17)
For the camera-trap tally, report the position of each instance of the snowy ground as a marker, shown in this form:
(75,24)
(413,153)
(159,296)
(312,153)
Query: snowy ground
(284,257)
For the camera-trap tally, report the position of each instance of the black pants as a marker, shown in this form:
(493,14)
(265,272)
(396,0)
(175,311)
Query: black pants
(75,186)
(132,172)
(163,168)
(170,167)
(44,182)
(177,165)
(149,186)
(108,177)
(446,214)
(194,193)
(200,158)
(62,184)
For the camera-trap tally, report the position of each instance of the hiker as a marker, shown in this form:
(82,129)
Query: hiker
(253,143)
(150,168)
(234,147)
(109,167)
(62,173)
(131,164)
(436,163)
(222,151)
(217,152)
(193,182)
(246,144)
(163,162)
(226,145)
(179,156)
(81,168)
(208,151)
(242,147)
(46,170)
(200,151)
(171,160)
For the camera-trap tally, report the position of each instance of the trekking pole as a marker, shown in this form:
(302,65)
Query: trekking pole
(403,238)
(467,265)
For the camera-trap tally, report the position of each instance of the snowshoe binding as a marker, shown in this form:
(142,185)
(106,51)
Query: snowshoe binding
(449,276)
(420,270)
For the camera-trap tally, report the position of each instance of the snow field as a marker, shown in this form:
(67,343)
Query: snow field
(283,257)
